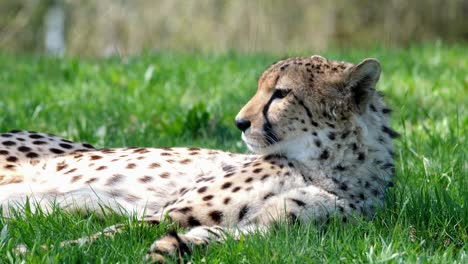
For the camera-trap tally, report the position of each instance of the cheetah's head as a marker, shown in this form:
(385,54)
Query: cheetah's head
(300,96)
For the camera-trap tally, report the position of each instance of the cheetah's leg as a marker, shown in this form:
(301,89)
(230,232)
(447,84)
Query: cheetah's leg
(305,204)
(174,243)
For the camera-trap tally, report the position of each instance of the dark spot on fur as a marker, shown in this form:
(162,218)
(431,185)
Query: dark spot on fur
(12,159)
(216,216)
(258,170)
(331,136)
(248,179)
(9,143)
(226,200)
(65,146)
(154,165)
(164,175)
(101,168)
(86,145)
(56,151)
(227,168)
(324,155)
(361,156)
(243,211)
(185,161)
(344,135)
(341,209)
(392,133)
(207,198)
(24,149)
(386,110)
(61,166)
(226,185)
(343,186)
(95,157)
(91,180)
(70,171)
(298,202)
(76,178)
(35,136)
(116,178)
(32,155)
(185,210)
(292,217)
(318,143)
(4,152)
(202,189)
(267,196)
(236,189)
(340,168)
(387,166)
(131,166)
(192,221)
(227,175)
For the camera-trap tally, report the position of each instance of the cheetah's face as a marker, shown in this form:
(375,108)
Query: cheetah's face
(299,96)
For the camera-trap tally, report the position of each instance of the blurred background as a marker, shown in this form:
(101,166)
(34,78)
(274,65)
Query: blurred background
(103,28)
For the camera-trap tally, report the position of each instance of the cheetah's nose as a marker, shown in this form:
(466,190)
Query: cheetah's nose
(242,124)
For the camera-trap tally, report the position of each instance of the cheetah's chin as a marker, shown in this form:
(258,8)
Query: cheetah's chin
(260,149)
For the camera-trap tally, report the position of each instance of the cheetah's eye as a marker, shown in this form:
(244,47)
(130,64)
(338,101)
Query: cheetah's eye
(281,93)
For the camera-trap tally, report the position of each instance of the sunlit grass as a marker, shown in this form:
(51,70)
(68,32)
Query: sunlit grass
(162,99)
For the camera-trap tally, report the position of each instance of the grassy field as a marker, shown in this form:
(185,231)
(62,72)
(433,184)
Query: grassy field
(171,99)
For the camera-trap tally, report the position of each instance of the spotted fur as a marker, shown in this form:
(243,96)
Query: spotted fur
(321,143)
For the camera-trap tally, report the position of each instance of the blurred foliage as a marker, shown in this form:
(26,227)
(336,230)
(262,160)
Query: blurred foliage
(108,27)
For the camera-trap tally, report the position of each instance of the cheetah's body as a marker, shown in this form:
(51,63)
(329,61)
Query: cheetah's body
(322,142)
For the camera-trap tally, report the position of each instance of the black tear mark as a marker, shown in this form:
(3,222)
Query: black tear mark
(270,136)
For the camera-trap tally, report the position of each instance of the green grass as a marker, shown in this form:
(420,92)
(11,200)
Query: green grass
(169,99)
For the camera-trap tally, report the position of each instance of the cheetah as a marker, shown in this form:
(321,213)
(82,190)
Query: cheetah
(321,147)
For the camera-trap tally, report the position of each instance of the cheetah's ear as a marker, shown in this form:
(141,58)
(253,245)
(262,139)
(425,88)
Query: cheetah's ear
(361,81)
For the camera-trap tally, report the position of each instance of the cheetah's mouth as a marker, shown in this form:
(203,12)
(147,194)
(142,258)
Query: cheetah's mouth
(255,147)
